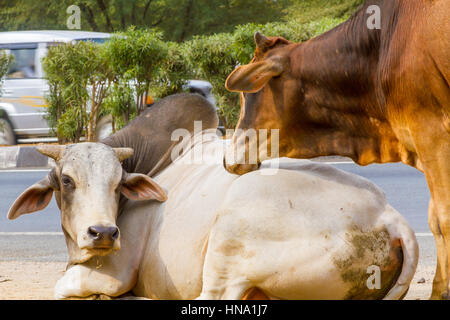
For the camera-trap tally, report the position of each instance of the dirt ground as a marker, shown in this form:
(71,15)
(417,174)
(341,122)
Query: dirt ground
(26,280)
(35,280)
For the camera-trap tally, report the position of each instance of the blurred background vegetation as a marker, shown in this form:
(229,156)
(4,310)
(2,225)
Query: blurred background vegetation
(178,20)
(157,46)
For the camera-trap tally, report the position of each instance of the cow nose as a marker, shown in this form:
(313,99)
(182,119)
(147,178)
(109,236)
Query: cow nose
(103,233)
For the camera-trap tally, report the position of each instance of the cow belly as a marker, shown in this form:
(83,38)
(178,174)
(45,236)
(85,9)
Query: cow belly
(321,266)
(325,270)
(293,244)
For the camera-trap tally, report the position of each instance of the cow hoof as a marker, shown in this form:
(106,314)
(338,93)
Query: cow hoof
(445,295)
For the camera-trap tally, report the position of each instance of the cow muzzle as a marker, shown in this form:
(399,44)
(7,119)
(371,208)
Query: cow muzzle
(240,169)
(242,154)
(103,237)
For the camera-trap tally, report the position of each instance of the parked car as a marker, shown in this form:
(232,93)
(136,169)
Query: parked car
(22,103)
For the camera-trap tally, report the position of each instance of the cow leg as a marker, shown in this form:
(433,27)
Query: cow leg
(440,278)
(223,288)
(255,294)
(433,148)
(220,282)
(440,227)
(95,279)
(115,274)
(441,285)
(438,177)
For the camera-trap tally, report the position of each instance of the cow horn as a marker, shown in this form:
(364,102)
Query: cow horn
(53,151)
(123,153)
(260,40)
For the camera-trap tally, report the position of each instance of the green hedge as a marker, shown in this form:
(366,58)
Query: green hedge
(79,77)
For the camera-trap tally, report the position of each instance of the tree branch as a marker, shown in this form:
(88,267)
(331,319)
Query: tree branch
(133,15)
(89,15)
(102,7)
(157,22)
(186,19)
(147,5)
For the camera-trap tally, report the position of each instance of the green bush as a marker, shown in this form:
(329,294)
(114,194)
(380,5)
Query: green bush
(5,62)
(136,55)
(172,73)
(120,104)
(79,77)
(212,58)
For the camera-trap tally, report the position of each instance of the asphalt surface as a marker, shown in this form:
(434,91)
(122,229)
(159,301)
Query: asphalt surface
(12,184)
(37,236)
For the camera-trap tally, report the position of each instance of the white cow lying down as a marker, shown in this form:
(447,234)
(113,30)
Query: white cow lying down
(308,232)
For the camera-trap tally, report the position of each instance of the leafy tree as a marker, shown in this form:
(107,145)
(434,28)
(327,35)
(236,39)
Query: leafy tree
(79,78)
(207,17)
(67,92)
(177,19)
(99,82)
(312,10)
(173,72)
(120,104)
(212,58)
(5,62)
(135,55)
(33,15)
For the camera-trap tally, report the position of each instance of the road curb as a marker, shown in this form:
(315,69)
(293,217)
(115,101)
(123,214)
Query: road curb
(22,157)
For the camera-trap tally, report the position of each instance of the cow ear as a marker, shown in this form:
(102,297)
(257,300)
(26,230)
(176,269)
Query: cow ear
(264,44)
(141,187)
(35,198)
(252,77)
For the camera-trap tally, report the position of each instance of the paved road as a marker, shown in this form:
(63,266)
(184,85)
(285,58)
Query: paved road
(405,188)
(36,237)
(12,184)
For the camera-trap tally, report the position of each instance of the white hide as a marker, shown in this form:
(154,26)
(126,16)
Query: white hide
(218,235)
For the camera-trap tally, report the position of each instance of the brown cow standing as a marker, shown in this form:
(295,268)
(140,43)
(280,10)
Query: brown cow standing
(375,95)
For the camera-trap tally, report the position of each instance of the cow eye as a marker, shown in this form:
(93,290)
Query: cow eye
(67,181)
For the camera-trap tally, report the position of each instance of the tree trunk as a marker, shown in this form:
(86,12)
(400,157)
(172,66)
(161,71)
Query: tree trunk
(147,5)
(187,20)
(92,115)
(103,8)
(90,16)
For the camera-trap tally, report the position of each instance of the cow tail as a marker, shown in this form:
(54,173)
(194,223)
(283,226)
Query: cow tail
(400,230)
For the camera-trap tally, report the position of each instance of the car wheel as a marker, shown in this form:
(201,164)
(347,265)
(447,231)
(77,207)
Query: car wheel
(104,128)
(7,136)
